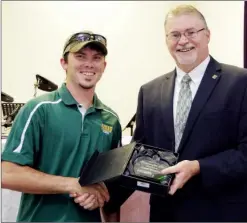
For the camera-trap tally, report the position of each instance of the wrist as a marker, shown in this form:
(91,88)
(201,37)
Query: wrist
(196,167)
(71,185)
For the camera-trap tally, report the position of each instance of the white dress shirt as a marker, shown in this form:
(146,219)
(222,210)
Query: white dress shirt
(196,75)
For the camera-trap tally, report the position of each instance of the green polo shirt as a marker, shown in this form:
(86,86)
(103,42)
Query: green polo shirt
(51,134)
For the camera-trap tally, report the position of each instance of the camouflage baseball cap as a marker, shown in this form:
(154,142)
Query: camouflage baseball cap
(82,39)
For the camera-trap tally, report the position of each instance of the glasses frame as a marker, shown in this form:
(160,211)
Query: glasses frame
(185,33)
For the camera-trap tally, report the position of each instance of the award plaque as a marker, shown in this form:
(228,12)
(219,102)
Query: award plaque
(147,163)
(136,166)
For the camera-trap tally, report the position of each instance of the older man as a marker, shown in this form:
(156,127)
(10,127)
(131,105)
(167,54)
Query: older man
(200,111)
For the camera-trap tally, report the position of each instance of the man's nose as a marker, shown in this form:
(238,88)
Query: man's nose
(183,40)
(88,63)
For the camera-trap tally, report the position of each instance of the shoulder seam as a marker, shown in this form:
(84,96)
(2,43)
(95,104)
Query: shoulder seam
(111,112)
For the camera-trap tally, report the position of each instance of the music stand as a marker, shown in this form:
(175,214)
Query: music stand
(44,85)
(10,110)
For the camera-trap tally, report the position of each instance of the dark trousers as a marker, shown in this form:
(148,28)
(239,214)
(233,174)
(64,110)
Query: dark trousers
(160,214)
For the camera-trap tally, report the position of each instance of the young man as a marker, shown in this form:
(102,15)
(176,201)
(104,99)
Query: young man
(200,111)
(55,134)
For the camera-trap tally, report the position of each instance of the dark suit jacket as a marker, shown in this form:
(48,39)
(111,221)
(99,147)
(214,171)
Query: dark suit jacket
(215,135)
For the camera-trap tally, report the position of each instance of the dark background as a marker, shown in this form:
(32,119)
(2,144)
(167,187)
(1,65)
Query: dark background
(245,34)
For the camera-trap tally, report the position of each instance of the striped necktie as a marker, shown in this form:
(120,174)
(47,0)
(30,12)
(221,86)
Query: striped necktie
(183,108)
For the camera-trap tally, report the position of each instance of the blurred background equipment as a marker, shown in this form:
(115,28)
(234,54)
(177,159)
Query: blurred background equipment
(43,84)
(10,110)
(131,124)
(5,97)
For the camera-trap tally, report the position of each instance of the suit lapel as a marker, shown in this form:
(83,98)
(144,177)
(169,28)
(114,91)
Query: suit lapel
(167,90)
(208,83)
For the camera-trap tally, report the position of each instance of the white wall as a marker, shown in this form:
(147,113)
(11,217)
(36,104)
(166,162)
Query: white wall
(33,35)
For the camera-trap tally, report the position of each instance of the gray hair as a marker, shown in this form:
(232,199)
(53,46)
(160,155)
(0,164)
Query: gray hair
(185,10)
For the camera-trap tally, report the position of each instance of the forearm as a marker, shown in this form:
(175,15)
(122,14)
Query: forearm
(28,180)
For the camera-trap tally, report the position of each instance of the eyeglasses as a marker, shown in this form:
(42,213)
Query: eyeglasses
(190,34)
(86,37)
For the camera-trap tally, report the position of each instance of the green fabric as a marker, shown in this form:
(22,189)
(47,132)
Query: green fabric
(49,134)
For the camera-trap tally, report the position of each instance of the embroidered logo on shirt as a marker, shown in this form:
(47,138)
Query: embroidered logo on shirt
(106,129)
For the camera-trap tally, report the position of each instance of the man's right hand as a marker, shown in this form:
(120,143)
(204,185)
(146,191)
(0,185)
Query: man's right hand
(90,197)
(87,201)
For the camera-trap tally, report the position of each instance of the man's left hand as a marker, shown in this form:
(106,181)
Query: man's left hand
(183,170)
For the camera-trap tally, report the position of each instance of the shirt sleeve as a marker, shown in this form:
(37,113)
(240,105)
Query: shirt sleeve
(23,142)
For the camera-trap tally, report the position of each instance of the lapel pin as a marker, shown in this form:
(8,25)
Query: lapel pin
(214,76)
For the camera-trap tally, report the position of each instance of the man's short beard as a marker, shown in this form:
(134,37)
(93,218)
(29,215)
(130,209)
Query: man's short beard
(86,87)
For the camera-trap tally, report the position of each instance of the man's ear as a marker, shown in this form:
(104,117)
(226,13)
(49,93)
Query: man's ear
(64,64)
(105,63)
(208,34)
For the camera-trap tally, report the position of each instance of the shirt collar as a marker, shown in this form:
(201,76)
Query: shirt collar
(196,74)
(97,103)
(68,99)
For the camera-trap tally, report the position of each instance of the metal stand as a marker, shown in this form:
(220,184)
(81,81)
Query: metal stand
(36,85)
(131,125)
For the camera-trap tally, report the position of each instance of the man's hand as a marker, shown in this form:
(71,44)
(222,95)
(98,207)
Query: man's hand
(92,196)
(183,170)
(86,200)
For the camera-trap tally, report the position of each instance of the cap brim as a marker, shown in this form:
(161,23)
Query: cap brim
(78,46)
